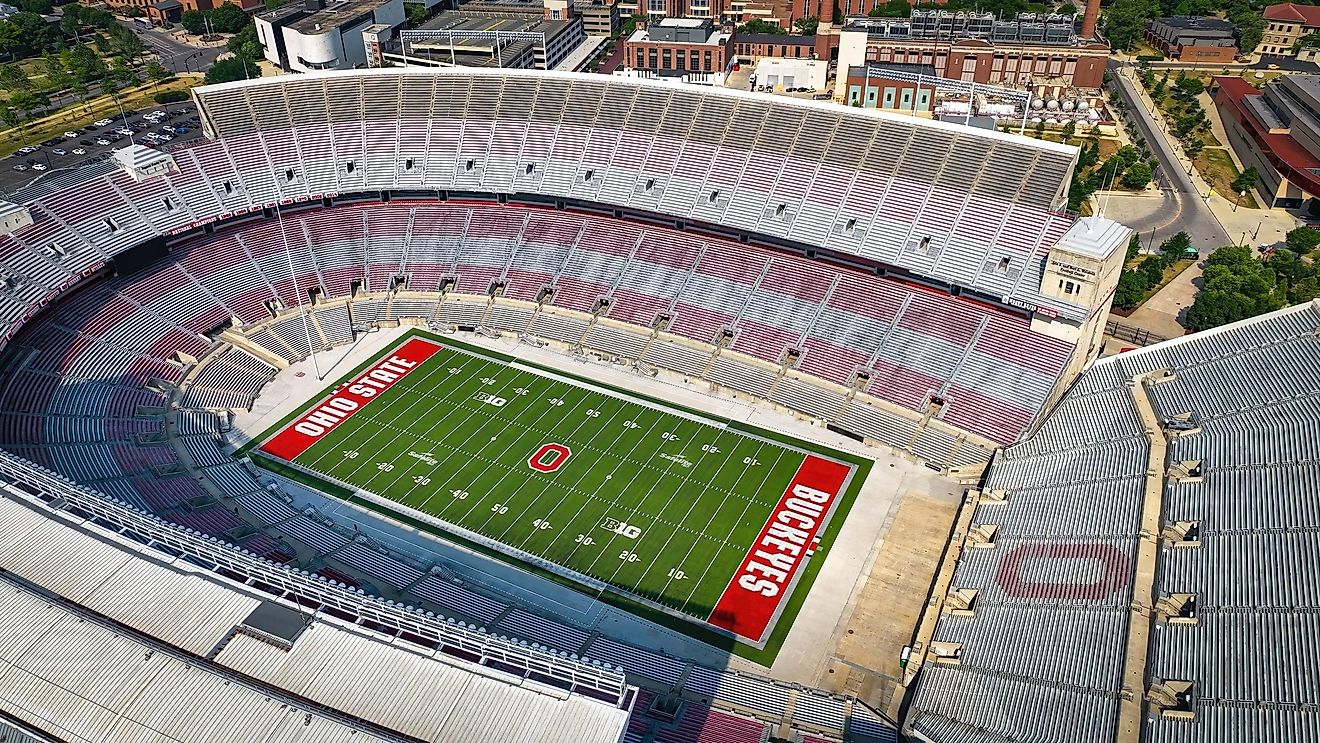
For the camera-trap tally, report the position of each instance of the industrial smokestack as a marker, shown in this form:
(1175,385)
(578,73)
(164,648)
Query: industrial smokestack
(1089,19)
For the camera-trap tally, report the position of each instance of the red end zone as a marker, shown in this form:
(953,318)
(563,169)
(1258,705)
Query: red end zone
(761,583)
(298,436)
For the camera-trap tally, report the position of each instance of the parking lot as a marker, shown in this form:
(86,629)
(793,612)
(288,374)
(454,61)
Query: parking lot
(155,127)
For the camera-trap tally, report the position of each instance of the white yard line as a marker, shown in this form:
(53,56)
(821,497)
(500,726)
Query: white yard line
(714,423)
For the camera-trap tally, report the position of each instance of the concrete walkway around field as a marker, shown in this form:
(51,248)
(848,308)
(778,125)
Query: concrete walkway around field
(826,616)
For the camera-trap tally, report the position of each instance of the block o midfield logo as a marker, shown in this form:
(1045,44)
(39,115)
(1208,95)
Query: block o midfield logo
(549,457)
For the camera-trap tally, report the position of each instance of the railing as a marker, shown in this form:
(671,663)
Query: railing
(1131,334)
(42,483)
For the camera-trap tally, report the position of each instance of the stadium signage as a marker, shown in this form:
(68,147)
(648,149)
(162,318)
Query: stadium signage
(754,595)
(1036,308)
(349,398)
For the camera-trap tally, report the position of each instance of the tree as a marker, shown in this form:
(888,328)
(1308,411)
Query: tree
(1188,87)
(156,71)
(228,18)
(1069,130)
(10,118)
(70,27)
(245,43)
(892,9)
(108,86)
(228,70)
(1177,246)
(1125,20)
(12,41)
(414,12)
(1131,288)
(1067,9)
(193,21)
(1137,176)
(13,79)
(33,31)
(1134,246)
(1302,240)
(40,7)
(1306,41)
(1236,286)
(1250,24)
(79,90)
(125,74)
(1246,180)
(630,24)
(83,63)
(807,26)
(758,26)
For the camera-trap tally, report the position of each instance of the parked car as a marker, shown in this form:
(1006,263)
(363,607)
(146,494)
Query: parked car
(79,151)
(102,122)
(181,130)
(27,149)
(123,131)
(103,142)
(39,166)
(52,142)
(71,135)
(20,167)
(60,151)
(86,142)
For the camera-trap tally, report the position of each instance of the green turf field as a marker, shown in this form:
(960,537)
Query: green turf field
(654,502)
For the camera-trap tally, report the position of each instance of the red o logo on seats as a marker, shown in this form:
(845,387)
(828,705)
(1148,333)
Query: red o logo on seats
(1021,572)
(549,457)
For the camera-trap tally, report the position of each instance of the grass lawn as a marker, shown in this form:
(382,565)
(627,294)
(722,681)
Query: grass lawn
(1216,166)
(665,509)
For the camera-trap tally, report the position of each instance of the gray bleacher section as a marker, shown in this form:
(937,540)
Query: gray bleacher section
(1042,656)
(855,182)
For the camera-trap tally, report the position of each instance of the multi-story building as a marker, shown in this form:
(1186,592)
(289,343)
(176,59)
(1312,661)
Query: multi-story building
(314,35)
(751,46)
(465,38)
(1194,39)
(161,11)
(1285,25)
(689,49)
(1277,130)
(1045,53)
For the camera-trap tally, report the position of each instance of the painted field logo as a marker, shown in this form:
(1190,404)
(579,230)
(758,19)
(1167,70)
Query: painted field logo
(549,457)
(620,528)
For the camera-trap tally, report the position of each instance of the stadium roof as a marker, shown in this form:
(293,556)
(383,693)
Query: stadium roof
(1143,567)
(144,647)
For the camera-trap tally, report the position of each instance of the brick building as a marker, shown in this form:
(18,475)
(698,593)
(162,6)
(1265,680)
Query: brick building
(1277,130)
(1285,24)
(1046,54)
(749,46)
(689,49)
(1194,39)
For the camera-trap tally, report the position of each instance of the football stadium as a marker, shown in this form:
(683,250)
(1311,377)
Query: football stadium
(496,405)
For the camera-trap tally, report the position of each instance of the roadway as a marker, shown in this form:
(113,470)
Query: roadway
(175,55)
(1185,208)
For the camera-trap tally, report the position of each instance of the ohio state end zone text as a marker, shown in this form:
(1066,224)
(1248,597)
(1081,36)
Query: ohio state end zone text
(702,518)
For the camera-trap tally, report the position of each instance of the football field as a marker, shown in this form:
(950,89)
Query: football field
(697,516)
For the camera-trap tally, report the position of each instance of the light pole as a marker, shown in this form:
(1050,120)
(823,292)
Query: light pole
(1240,194)
(1257,232)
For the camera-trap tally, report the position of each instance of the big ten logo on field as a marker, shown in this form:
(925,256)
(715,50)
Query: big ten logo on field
(620,528)
(489,399)
(549,457)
